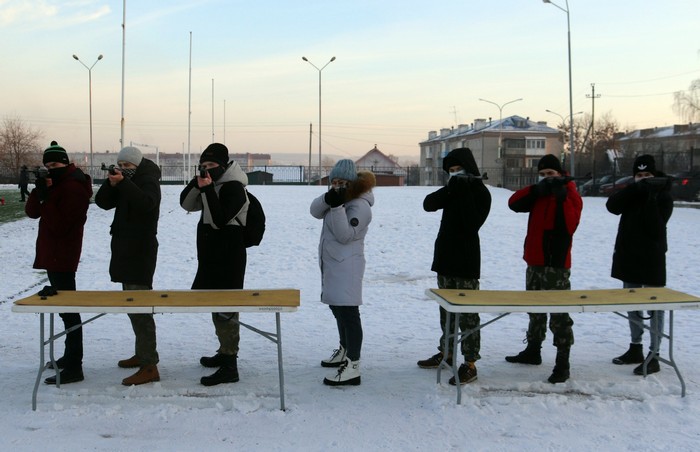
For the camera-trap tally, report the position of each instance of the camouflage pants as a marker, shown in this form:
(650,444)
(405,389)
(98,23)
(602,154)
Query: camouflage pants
(228,330)
(145,332)
(467,320)
(549,278)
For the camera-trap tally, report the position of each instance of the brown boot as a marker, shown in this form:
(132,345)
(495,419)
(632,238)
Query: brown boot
(129,363)
(146,374)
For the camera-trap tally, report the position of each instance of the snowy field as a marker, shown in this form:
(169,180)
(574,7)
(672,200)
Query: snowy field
(398,407)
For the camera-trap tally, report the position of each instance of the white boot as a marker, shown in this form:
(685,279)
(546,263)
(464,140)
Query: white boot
(348,374)
(336,359)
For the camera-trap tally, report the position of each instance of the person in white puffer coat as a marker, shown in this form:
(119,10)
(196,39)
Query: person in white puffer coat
(346,211)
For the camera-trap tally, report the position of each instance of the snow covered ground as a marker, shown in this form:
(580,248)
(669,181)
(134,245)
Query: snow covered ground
(398,406)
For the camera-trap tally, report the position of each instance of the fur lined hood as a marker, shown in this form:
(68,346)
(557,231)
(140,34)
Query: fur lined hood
(364,183)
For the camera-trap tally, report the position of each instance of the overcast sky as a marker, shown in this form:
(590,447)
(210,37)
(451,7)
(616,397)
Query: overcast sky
(402,68)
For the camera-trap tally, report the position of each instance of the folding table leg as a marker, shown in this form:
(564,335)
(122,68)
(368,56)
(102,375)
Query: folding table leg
(41,360)
(671,361)
(455,353)
(279,359)
(445,345)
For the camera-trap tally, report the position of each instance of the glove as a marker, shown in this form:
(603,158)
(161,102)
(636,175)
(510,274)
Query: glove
(653,184)
(543,187)
(42,189)
(334,198)
(458,181)
(47,291)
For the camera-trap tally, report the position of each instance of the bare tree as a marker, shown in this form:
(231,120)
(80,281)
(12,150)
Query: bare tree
(580,126)
(19,144)
(687,103)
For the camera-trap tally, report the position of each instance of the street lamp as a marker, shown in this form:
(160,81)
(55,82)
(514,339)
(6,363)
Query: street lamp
(500,133)
(319,110)
(90,96)
(500,121)
(563,119)
(571,99)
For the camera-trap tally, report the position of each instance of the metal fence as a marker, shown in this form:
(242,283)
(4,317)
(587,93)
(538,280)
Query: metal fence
(502,176)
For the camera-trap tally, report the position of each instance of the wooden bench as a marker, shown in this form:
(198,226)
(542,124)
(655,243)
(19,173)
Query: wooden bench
(157,302)
(457,301)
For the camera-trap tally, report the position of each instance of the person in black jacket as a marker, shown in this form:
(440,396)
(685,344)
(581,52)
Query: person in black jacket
(639,259)
(23,182)
(221,253)
(465,204)
(134,192)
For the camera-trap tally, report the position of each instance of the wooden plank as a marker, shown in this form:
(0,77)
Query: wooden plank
(577,300)
(141,300)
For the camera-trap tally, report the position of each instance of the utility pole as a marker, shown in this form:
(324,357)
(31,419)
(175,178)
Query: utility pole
(593,97)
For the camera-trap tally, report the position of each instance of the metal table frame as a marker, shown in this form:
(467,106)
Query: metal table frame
(32,305)
(457,301)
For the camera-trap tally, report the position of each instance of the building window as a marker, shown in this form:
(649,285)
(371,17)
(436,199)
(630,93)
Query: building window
(534,143)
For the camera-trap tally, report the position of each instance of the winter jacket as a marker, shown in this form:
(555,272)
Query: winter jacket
(465,204)
(62,217)
(551,225)
(341,249)
(640,246)
(221,251)
(137,206)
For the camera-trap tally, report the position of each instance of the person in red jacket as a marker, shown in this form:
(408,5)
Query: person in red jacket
(555,208)
(60,201)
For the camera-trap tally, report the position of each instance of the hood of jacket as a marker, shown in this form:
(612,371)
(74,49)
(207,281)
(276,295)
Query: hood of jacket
(364,183)
(233,173)
(462,157)
(147,168)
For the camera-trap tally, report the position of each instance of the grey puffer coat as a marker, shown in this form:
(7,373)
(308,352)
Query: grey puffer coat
(341,250)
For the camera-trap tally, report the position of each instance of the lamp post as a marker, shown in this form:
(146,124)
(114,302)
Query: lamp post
(319,111)
(90,96)
(500,132)
(563,119)
(571,99)
(500,121)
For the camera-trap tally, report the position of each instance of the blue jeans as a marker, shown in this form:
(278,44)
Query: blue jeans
(636,320)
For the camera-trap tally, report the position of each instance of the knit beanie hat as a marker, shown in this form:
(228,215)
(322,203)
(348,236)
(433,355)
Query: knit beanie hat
(644,163)
(344,169)
(550,161)
(55,153)
(130,154)
(215,152)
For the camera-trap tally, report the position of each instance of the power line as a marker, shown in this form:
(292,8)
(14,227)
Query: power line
(626,82)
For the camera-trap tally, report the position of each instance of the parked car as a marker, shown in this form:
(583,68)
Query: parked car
(686,186)
(592,186)
(610,188)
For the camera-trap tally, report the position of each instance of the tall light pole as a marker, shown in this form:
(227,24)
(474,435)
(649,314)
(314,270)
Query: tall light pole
(571,98)
(500,121)
(89,68)
(319,111)
(500,133)
(563,119)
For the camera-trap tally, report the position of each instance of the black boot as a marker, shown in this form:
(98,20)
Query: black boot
(531,355)
(60,363)
(561,366)
(227,373)
(652,366)
(68,375)
(633,355)
(212,361)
